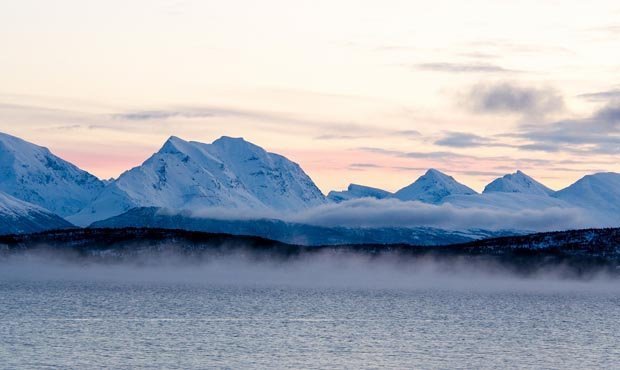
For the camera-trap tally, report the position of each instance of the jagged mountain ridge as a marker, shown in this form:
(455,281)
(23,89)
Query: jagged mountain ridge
(230,173)
(235,175)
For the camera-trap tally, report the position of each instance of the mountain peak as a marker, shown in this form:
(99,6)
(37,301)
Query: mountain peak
(599,192)
(517,182)
(431,172)
(175,144)
(432,187)
(228,173)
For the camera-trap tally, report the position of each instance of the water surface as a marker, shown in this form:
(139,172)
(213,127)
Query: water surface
(354,316)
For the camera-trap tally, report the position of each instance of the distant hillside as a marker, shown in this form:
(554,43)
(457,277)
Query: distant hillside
(577,252)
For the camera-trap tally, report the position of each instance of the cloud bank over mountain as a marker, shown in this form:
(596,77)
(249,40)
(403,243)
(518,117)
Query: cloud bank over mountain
(377,213)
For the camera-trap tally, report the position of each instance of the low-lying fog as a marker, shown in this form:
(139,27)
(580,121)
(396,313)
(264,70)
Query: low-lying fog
(320,270)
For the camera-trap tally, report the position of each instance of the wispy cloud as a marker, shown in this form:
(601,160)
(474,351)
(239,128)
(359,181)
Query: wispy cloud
(613,94)
(148,115)
(465,140)
(418,155)
(364,165)
(463,68)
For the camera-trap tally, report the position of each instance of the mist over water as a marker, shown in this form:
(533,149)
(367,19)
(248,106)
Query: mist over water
(327,269)
(343,310)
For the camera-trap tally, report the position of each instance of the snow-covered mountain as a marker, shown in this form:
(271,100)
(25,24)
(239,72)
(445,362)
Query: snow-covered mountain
(17,216)
(599,194)
(355,191)
(517,182)
(35,175)
(433,187)
(230,173)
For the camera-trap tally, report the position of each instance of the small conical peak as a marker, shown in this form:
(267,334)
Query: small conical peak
(432,187)
(517,182)
(431,172)
(519,175)
(174,144)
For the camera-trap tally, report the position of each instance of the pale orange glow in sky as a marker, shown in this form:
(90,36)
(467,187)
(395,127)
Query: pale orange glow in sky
(372,92)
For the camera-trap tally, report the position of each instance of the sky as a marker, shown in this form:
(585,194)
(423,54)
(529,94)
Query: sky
(355,91)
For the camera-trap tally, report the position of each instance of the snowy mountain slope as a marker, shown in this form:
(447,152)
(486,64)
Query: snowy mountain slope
(355,191)
(433,187)
(599,194)
(17,216)
(229,173)
(35,175)
(517,182)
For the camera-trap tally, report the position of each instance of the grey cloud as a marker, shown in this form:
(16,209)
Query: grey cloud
(418,155)
(331,130)
(464,68)
(463,140)
(196,112)
(407,133)
(508,97)
(601,95)
(599,134)
(395,213)
(453,160)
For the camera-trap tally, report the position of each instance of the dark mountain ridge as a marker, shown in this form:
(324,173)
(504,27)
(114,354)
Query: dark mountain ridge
(576,252)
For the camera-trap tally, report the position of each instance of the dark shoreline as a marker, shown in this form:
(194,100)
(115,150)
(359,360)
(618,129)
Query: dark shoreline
(579,253)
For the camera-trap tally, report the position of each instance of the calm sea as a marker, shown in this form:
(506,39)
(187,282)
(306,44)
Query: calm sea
(303,315)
